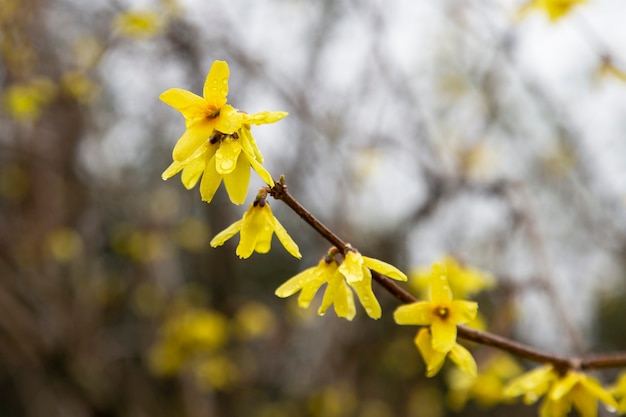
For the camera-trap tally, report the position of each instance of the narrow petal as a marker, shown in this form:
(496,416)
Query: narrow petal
(216,85)
(536,381)
(210,181)
(262,172)
(419,313)
(297,282)
(226,234)
(352,267)
(256,232)
(384,268)
(585,402)
(329,295)
(564,385)
(463,359)
(192,106)
(440,292)
(462,312)
(444,335)
(434,360)
(367,298)
(596,389)
(265,117)
(286,240)
(192,172)
(344,301)
(237,182)
(227,155)
(172,170)
(196,135)
(248,143)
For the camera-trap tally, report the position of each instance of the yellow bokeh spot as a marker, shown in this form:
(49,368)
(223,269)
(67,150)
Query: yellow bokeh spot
(25,102)
(336,400)
(64,244)
(217,372)
(138,24)
(425,401)
(254,320)
(79,86)
(193,234)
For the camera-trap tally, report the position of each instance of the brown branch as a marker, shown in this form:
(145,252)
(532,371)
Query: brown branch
(561,363)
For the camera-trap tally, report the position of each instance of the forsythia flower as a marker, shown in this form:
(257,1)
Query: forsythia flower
(555,9)
(352,274)
(574,388)
(441,313)
(435,359)
(217,143)
(256,229)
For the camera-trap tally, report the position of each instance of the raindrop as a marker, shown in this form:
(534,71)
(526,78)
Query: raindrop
(226,164)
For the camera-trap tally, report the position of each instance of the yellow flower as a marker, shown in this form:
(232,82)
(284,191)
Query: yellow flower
(256,229)
(435,359)
(532,385)
(352,274)
(463,280)
(441,313)
(218,142)
(555,9)
(619,391)
(578,389)
(138,24)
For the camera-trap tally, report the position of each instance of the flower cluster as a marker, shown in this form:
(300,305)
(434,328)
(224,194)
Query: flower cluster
(442,314)
(218,143)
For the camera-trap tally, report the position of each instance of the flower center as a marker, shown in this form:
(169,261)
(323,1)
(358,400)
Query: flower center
(442,312)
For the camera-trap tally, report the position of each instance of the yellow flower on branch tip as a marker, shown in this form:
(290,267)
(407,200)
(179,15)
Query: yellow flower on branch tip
(555,9)
(441,313)
(575,388)
(309,281)
(227,157)
(435,359)
(256,229)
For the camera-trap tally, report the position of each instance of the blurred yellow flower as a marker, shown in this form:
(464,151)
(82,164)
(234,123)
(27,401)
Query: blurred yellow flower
(138,24)
(463,280)
(575,388)
(532,385)
(218,142)
(25,101)
(435,359)
(79,86)
(441,313)
(555,9)
(256,229)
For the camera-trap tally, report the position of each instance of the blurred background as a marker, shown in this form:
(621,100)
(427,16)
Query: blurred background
(416,130)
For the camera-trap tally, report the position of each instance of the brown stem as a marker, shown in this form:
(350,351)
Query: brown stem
(561,363)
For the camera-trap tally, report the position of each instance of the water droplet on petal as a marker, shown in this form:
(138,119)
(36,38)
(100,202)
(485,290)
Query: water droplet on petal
(226,164)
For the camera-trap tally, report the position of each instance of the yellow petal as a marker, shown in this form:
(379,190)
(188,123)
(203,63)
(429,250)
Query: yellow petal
(237,182)
(440,292)
(172,170)
(286,240)
(299,282)
(210,181)
(536,381)
(216,85)
(443,334)
(344,301)
(265,117)
(248,143)
(585,402)
(192,106)
(463,359)
(226,234)
(462,312)
(227,155)
(384,268)
(434,360)
(352,267)
(555,408)
(564,385)
(262,172)
(192,172)
(229,120)
(256,232)
(596,389)
(329,294)
(419,313)
(196,135)
(367,298)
